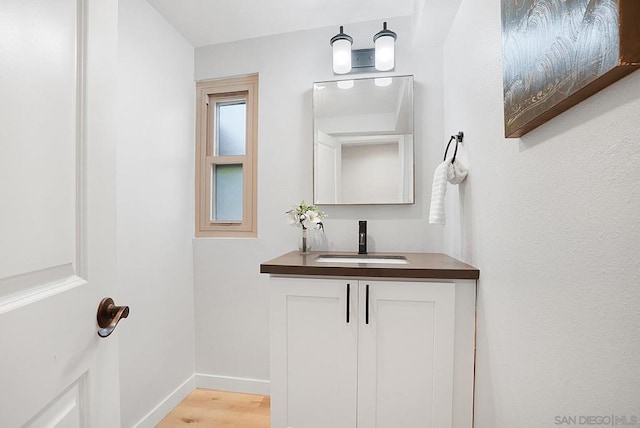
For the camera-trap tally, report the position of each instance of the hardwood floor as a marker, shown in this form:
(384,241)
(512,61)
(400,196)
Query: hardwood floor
(209,408)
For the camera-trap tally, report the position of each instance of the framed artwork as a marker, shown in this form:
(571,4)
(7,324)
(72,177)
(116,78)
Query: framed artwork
(557,53)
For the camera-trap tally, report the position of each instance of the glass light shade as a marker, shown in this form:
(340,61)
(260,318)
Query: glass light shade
(341,56)
(385,55)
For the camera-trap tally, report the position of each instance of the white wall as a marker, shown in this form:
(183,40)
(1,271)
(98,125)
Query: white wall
(551,221)
(230,294)
(154,211)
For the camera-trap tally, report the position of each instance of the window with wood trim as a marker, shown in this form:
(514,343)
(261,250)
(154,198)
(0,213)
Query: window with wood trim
(226,157)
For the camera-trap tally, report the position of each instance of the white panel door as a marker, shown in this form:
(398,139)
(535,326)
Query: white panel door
(313,353)
(57,220)
(405,355)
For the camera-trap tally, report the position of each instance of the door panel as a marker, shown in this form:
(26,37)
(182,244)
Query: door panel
(38,134)
(405,354)
(57,248)
(313,354)
(65,411)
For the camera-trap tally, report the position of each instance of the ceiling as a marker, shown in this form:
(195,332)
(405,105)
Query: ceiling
(206,22)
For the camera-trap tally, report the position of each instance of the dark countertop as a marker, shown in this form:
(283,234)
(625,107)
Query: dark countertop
(420,266)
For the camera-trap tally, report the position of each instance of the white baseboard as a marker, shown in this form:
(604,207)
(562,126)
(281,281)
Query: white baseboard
(166,406)
(233,384)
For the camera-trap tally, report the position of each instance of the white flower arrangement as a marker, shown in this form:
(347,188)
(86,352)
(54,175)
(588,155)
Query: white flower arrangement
(307,216)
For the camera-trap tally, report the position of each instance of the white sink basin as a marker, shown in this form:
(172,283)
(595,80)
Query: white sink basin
(332,258)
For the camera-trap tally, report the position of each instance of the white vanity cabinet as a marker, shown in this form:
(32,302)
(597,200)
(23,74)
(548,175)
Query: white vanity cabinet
(381,353)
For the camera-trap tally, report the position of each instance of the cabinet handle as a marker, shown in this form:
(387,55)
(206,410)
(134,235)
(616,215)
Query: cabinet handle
(366,308)
(348,300)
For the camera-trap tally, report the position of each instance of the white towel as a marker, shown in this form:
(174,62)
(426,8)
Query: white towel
(438,190)
(456,172)
(453,172)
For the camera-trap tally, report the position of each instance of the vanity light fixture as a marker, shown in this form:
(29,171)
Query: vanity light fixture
(380,58)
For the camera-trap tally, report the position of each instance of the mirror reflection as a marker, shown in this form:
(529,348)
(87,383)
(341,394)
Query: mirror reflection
(363,141)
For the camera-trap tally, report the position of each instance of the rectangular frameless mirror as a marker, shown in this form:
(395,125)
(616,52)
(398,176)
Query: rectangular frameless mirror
(363,141)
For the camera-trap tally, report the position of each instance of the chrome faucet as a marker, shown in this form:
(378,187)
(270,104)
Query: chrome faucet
(362,237)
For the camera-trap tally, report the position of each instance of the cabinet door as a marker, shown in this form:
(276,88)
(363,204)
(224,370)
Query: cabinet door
(405,355)
(313,353)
